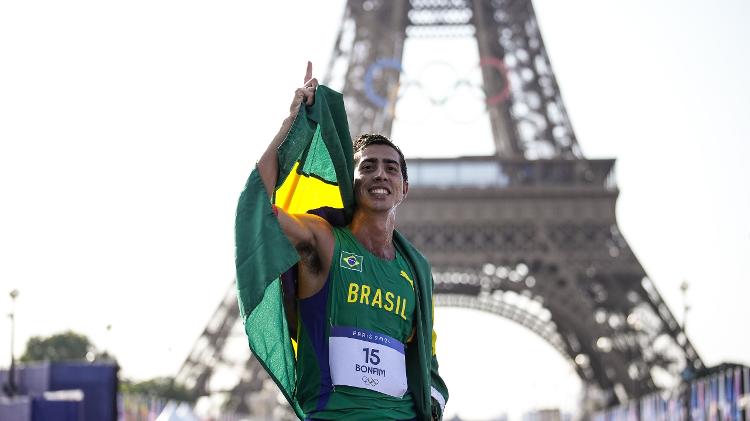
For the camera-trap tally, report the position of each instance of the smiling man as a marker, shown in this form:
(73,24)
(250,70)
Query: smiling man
(362,302)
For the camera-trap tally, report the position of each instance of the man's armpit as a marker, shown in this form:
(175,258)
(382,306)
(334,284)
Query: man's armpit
(309,257)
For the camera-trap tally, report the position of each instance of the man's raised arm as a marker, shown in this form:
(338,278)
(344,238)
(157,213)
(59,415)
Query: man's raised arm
(310,234)
(268,165)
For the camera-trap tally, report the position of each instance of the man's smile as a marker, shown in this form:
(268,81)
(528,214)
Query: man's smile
(379,191)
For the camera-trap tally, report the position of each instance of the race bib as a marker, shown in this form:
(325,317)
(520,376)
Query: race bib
(367,359)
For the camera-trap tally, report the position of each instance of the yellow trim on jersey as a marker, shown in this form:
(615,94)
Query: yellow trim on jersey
(434,335)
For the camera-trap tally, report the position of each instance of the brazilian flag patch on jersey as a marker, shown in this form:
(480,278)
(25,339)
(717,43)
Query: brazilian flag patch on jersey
(351,261)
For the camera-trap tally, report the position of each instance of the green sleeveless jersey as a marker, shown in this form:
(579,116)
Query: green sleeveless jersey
(352,336)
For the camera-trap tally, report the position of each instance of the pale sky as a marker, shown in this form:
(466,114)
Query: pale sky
(127,131)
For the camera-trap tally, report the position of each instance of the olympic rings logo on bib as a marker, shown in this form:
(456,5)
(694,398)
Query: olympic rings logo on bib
(367,359)
(370,381)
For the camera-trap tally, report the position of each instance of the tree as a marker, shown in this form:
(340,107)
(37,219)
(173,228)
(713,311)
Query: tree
(161,387)
(66,346)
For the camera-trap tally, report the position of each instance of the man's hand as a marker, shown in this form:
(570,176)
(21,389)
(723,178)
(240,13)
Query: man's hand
(306,93)
(268,162)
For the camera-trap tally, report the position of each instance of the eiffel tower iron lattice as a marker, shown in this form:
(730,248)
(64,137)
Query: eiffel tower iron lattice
(529,234)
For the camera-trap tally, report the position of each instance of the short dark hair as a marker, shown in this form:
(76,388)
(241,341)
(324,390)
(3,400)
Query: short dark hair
(368,139)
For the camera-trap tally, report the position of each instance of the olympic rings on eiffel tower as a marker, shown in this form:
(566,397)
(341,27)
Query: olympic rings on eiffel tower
(434,97)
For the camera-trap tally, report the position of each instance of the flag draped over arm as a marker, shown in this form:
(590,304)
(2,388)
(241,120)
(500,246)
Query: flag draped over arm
(315,172)
(315,176)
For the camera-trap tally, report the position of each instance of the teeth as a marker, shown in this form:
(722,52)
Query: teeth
(379,191)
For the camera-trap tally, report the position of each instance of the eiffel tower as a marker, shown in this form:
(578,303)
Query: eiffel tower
(528,234)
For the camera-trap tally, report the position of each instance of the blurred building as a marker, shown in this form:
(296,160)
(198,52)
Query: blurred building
(61,392)
(553,414)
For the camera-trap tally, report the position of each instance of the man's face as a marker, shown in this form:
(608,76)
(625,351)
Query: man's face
(378,183)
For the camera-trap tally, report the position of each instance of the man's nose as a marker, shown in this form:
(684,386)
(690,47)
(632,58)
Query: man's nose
(380,173)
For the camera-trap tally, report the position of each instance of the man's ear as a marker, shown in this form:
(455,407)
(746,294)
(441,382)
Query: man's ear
(406,188)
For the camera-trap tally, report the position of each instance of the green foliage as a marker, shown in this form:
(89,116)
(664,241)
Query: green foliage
(160,387)
(66,346)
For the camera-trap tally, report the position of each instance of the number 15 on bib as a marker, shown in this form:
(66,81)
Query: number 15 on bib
(367,359)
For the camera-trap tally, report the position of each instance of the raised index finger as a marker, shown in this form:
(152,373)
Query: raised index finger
(308,73)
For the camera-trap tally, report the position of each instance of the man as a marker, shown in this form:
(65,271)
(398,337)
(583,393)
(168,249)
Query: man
(363,294)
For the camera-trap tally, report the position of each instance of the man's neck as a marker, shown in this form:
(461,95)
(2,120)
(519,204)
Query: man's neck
(375,232)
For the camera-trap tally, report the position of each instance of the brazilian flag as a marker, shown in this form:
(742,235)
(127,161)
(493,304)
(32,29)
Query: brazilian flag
(316,175)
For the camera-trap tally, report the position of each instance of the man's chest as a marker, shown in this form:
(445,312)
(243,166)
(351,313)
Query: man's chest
(372,293)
